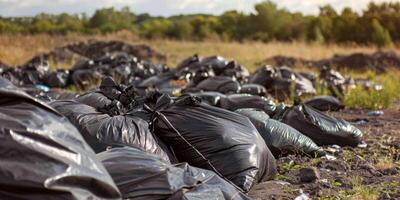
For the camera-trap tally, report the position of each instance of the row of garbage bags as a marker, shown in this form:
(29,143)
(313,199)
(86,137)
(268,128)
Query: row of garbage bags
(193,74)
(119,141)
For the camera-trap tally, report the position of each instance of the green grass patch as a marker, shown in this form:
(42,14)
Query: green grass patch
(369,98)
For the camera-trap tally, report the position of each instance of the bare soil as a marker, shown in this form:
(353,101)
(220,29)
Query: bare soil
(372,172)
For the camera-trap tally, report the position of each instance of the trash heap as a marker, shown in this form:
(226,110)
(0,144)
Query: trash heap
(206,129)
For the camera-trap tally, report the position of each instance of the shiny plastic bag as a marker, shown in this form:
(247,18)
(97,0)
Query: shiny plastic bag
(279,137)
(43,156)
(321,128)
(101,130)
(213,138)
(140,175)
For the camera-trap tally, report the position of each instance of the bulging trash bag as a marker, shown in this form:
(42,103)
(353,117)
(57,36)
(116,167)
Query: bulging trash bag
(57,78)
(333,80)
(254,89)
(222,84)
(43,156)
(212,138)
(211,98)
(140,175)
(325,103)
(321,128)
(236,101)
(280,138)
(282,82)
(109,98)
(101,130)
(96,99)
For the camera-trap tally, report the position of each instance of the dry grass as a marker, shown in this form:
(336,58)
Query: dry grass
(385,163)
(16,49)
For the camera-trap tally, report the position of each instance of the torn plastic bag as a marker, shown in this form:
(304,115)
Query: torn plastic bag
(325,103)
(254,89)
(236,101)
(321,128)
(211,98)
(222,84)
(213,138)
(279,137)
(43,156)
(101,130)
(140,175)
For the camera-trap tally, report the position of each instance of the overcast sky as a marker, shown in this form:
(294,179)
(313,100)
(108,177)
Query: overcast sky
(166,7)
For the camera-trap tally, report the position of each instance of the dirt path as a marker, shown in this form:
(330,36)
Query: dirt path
(372,172)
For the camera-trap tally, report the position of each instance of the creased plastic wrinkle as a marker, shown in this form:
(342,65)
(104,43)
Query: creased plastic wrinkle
(213,138)
(141,175)
(43,156)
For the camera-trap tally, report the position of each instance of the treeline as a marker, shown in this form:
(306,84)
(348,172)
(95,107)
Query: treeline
(379,24)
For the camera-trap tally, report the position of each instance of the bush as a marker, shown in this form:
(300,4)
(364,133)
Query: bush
(374,99)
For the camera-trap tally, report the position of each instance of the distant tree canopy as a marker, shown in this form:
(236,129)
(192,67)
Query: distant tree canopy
(379,24)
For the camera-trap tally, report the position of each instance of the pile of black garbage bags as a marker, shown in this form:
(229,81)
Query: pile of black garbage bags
(207,129)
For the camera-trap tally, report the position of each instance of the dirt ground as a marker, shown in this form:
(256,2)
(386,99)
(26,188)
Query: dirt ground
(371,172)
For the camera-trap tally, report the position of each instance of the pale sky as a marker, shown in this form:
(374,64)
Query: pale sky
(167,7)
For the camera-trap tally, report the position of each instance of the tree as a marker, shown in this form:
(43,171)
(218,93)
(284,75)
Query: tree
(181,29)
(110,20)
(380,36)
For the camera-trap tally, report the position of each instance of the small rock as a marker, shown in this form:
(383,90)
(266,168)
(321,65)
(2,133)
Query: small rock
(362,145)
(309,174)
(324,180)
(376,113)
(335,165)
(302,196)
(361,122)
(329,157)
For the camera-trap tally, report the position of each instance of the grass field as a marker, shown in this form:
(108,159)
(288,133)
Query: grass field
(16,49)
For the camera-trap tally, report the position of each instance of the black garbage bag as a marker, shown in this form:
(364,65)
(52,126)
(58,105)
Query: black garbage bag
(110,98)
(282,82)
(236,101)
(280,138)
(325,103)
(212,138)
(101,130)
(57,79)
(222,84)
(43,156)
(140,175)
(321,128)
(97,100)
(333,80)
(211,98)
(49,95)
(83,78)
(254,89)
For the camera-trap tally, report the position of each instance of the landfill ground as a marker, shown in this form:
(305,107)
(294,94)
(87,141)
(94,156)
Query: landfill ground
(371,172)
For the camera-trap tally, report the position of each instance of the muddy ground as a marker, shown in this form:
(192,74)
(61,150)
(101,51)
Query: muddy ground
(371,172)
